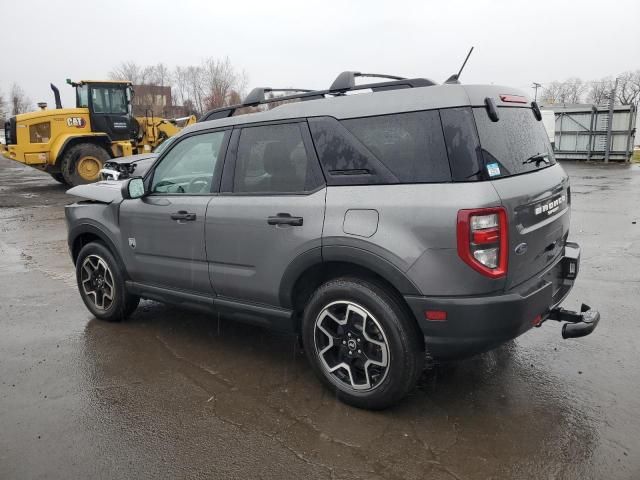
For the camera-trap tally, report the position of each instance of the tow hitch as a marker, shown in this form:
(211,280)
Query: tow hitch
(577,324)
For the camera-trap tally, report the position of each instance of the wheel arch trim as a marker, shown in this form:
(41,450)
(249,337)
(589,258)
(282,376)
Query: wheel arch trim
(359,257)
(87,228)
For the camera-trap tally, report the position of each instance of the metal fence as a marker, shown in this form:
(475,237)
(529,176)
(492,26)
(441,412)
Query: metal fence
(581,132)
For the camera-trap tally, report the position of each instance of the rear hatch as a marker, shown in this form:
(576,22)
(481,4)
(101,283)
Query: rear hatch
(519,161)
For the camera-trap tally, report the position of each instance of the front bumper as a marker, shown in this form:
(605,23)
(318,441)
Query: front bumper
(480,323)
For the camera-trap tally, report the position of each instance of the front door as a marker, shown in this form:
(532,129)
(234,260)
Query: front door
(270,211)
(109,111)
(164,232)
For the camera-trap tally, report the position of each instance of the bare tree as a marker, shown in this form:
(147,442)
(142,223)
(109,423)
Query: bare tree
(179,90)
(599,91)
(161,75)
(628,92)
(3,106)
(569,91)
(552,92)
(574,90)
(212,84)
(220,78)
(195,87)
(18,100)
(127,71)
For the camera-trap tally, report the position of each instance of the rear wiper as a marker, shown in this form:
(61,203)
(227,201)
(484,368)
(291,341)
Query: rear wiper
(538,157)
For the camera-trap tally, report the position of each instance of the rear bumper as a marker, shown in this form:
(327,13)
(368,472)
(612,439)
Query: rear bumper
(480,323)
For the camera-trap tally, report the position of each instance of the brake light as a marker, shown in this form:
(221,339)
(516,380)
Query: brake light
(483,240)
(513,99)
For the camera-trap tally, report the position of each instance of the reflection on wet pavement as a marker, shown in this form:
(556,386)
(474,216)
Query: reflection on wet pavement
(173,393)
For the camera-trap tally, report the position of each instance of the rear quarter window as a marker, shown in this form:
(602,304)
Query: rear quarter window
(463,147)
(383,149)
(411,145)
(516,143)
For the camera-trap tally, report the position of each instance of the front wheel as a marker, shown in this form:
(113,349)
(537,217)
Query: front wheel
(361,342)
(101,284)
(82,163)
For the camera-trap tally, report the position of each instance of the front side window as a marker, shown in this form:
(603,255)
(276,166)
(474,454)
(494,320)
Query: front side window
(189,167)
(109,100)
(273,159)
(82,96)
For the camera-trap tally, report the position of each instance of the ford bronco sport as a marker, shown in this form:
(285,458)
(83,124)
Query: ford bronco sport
(382,222)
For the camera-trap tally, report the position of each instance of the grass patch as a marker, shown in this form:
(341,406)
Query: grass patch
(636,156)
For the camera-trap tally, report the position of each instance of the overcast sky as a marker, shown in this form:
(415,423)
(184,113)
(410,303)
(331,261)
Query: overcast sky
(306,44)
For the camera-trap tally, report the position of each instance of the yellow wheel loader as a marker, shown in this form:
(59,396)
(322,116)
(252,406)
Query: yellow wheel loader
(72,144)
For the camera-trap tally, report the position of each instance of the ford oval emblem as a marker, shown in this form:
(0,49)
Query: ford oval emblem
(521,249)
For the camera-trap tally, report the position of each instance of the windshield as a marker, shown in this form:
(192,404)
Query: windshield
(109,100)
(163,146)
(515,144)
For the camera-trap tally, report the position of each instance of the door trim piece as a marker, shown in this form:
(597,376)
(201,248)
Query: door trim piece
(275,318)
(168,295)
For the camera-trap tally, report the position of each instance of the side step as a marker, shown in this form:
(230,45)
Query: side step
(576,324)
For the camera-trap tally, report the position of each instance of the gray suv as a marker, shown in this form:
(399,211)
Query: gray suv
(385,223)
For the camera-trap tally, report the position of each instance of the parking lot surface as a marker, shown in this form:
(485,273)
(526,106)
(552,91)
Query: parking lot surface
(175,394)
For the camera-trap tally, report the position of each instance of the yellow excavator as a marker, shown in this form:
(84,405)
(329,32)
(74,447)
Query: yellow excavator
(72,144)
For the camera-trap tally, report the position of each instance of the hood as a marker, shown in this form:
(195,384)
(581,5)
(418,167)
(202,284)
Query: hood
(106,191)
(125,167)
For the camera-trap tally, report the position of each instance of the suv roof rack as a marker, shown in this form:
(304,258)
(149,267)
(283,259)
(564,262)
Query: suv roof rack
(345,82)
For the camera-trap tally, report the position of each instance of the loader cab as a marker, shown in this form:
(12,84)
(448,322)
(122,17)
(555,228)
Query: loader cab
(109,105)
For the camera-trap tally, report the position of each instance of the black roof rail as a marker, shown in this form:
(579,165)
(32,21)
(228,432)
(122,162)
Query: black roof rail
(343,83)
(347,80)
(257,95)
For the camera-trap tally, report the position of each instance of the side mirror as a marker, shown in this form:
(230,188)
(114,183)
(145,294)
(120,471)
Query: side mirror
(133,188)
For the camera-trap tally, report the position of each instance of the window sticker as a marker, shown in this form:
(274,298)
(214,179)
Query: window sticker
(493,169)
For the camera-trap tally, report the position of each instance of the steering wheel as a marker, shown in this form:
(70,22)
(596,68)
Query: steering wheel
(205,181)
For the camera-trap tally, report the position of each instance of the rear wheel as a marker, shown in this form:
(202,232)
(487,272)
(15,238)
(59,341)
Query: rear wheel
(361,343)
(101,284)
(81,164)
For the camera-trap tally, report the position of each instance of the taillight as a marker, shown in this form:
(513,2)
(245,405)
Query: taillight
(482,240)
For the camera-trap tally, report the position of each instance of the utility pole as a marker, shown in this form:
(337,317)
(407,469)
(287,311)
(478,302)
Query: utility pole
(536,86)
(612,100)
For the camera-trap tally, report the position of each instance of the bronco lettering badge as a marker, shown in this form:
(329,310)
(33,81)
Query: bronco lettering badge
(552,206)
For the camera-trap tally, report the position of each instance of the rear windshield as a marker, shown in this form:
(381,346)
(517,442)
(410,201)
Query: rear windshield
(517,143)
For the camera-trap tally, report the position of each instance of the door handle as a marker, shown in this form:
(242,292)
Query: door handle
(285,219)
(183,215)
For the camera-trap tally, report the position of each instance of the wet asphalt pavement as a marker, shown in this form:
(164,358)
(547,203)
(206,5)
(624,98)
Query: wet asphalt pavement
(176,394)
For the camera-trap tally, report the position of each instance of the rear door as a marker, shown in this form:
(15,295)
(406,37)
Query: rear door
(270,211)
(164,231)
(532,186)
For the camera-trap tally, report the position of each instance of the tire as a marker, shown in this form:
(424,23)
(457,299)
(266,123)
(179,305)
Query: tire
(375,322)
(58,177)
(99,276)
(81,163)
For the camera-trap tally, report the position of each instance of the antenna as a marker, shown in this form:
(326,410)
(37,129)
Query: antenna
(455,78)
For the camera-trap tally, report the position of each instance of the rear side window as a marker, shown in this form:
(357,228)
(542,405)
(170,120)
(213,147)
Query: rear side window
(515,144)
(386,149)
(463,148)
(273,159)
(410,145)
(344,159)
